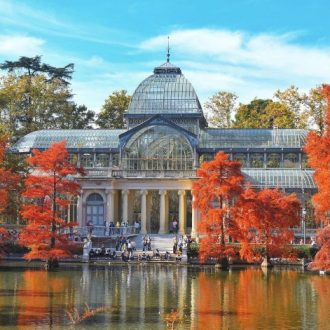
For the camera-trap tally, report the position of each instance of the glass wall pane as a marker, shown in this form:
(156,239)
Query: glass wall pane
(291,160)
(87,160)
(304,161)
(256,160)
(273,160)
(242,158)
(102,160)
(73,159)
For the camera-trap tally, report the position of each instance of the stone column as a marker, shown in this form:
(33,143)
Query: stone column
(80,210)
(124,194)
(182,212)
(144,212)
(162,212)
(194,217)
(111,200)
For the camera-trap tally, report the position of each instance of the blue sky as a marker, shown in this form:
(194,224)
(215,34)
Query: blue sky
(250,47)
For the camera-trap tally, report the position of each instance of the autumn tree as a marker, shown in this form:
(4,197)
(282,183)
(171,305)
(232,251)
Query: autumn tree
(49,189)
(221,108)
(294,101)
(9,180)
(265,218)
(318,150)
(220,182)
(112,112)
(316,106)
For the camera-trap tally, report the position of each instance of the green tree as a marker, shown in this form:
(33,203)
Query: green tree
(221,107)
(76,117)
(32,66)
(294,101)
(112,112)
(316,104)
(261,113)
(31,103)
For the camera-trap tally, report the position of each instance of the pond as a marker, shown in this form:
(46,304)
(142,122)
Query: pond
(143,297)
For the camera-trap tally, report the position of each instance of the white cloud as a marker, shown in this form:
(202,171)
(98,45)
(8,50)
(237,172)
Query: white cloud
(18,45)
(248,64)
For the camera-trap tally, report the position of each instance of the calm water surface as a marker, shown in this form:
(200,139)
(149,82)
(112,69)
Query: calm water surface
(141,296)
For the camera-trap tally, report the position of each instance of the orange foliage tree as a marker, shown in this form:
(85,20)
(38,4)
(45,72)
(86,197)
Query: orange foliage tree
(49,189)
(264,218)
(8,181)
(220,182)
(318,151)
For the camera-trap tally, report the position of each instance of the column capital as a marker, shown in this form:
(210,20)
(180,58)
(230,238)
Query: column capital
(125,192)
(181,192)
(162,192)
(144,192)
(110,191)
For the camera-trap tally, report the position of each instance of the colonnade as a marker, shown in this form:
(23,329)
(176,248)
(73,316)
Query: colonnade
(126,197)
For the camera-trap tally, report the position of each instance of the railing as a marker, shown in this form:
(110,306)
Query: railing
(99,231)
(110,173)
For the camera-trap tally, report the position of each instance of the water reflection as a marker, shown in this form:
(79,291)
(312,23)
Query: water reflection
(141,296)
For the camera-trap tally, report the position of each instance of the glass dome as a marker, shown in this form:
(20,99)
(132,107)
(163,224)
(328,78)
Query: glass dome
(167,91)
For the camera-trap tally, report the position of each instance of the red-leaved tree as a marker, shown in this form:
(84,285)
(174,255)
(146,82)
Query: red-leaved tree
(8,180)
(264,218)
(318,151)
(50,187)
(220,182)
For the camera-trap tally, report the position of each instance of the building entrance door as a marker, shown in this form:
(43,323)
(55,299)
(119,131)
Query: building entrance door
(95,210)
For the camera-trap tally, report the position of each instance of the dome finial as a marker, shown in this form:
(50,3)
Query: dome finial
(168,49)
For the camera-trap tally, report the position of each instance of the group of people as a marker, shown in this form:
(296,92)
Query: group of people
(110,228)
(180,242)
(146,242)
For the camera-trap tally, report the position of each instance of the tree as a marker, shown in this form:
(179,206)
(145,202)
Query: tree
(49,189)
(261,113)
(264,218)
(322,257)
(112,112)
(318,150)
(32,103)
(294,101)
(221,107)
(220,182)
(316,104)
(32,66)
(76,117)
(8,181)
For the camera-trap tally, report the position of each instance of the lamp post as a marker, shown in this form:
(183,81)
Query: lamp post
(303,224)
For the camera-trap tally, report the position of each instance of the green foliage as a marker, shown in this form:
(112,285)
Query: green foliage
(305,251)
(35,95)
(193,250)
(261,113)
(112,113)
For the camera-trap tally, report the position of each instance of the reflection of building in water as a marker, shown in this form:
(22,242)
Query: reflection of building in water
(241,299)
(145,172)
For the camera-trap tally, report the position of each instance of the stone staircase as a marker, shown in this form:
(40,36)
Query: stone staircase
(162,242)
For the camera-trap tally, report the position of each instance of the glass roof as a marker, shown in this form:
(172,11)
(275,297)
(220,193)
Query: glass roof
(282,178)
(166,91)
(258,138)
(79,138)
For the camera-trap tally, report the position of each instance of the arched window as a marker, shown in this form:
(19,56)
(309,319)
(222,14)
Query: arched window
(158,148)
(95,209)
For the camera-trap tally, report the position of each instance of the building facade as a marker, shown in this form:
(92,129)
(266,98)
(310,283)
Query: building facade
(145,172)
